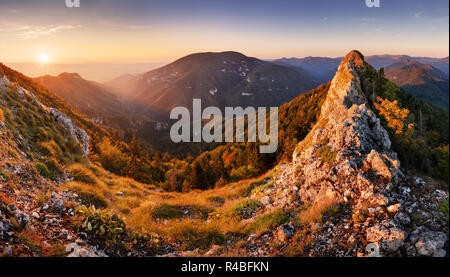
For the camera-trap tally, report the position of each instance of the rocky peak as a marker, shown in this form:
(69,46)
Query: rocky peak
(345,89)
(346,158)
(348,142)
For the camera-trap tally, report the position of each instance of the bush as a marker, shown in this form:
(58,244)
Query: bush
(100,223)
(4,174)
(243,172)
(43,170)
(112,158)
(443,208)
(244,206)
(326,154)
(440,171)
(263,187)
(269,220)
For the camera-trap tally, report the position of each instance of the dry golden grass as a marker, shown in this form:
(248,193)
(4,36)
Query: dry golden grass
(197,218)
(315,212)
(299,244)
(96,186)
(162,213)
(2,115)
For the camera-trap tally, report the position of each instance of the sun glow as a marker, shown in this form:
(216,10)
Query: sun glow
(43,58)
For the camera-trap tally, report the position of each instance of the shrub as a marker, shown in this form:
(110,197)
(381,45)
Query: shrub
(443,208)
(57,250)
(441,155)
(43,198)
(269,220)
(299,244)
(101,223)
(326,154)
(31,240)
(394,115)
(112,158)
(4,174)
(243,172)
(43,170)
(244,206)
(263,187)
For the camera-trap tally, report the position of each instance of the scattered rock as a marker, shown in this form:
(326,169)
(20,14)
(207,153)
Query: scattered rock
(393,208)
(285,232)
(428,243)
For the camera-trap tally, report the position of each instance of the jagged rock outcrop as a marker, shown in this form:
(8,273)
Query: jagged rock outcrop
(347,154)
(78,134)
(347,159)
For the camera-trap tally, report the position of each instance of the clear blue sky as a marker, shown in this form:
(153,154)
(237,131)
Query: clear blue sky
(152,30)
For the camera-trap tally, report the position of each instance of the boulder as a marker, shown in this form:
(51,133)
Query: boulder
(285,232)
(428,243)
(389,239)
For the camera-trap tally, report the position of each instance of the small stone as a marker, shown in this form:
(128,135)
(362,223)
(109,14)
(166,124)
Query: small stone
(403,218)
(285,232)
(430,242)
(440,253)
(265,200)
(8,252)
(373,250)
(35,215)
(393,208)
(215,249)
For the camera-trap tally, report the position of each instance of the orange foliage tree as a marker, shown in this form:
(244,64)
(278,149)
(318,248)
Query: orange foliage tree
(394,115)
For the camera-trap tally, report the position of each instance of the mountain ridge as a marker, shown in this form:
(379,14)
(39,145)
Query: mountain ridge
(423,81)
(219,79)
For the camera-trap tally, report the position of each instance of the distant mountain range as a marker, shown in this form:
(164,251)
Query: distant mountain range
(100,72)
(421,80)
(321,69)
(218,79)
(425,78)
(324,68)
(88,97)
(97,102)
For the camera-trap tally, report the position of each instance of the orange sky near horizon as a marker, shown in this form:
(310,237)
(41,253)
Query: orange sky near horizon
(160,31)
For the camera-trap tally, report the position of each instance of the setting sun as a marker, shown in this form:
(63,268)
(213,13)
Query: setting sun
(43,58)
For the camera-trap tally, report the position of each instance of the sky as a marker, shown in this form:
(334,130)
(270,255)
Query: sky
(164,30)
